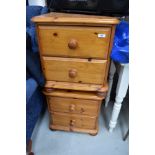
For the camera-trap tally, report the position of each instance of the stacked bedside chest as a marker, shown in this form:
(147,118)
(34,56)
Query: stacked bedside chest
(75,56)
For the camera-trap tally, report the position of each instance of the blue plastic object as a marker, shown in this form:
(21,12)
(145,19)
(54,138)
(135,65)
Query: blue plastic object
(32,11)
(120,50)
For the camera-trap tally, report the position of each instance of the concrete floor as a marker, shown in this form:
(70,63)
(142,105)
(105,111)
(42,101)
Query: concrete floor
(47,142)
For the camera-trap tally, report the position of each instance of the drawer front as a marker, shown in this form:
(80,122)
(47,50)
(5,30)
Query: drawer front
(82,42)
(74,70)
(72,105)
(73,120)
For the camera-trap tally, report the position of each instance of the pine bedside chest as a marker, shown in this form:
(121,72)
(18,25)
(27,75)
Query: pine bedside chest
(75,57)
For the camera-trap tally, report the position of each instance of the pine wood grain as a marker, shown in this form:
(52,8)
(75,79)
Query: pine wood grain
(75,62)
(74,19)
(55,40)
(74,129)
(74,105)
(73,120)
(58,69)
(76,86)
(74,94)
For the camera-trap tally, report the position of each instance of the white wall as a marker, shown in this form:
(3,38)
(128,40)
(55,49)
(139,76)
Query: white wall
(37,2)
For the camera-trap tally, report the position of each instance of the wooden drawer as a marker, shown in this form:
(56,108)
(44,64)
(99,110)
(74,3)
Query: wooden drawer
(74,70)
(73,120)
(73,94)
(72,41)
(74,105)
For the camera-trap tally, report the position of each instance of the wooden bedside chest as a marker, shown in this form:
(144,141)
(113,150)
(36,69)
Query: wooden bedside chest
(75,56)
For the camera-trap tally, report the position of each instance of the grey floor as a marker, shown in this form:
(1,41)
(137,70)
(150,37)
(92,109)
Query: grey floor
(47,142)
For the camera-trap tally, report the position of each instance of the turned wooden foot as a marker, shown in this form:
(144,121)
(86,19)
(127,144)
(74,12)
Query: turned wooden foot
(93,134)
(52,129)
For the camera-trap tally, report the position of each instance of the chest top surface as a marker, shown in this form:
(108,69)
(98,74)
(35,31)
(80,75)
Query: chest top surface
(75,19)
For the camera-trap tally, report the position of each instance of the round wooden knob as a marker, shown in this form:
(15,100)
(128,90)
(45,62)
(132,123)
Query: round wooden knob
(72,73)
(72,107)
(73,44)
(72,122)
(82,110)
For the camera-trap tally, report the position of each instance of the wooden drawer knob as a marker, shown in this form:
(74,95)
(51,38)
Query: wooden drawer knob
(73,44)
(72,73)
(82,110)
(72,107)
(72,122)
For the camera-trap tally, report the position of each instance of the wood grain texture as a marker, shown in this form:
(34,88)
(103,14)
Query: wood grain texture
(74,111)
(58,69)
(74,94)
(76,86)
(73,120)
(54,41)
(74,19)
(75,62)
(75,106)
(74,129)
